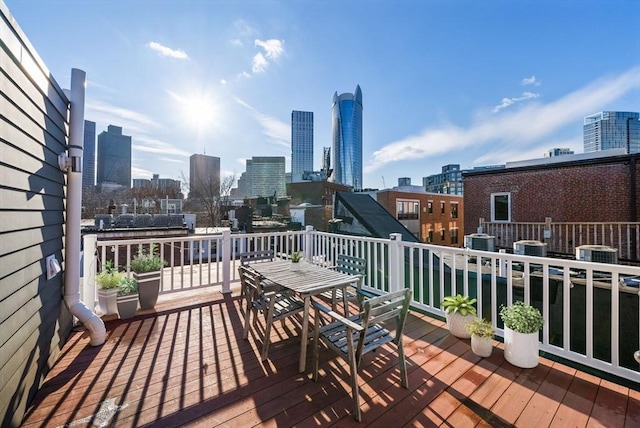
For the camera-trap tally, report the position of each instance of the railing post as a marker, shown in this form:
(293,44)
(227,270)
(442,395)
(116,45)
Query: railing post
(396,263)
(226,261)
(88,295)
(308,243)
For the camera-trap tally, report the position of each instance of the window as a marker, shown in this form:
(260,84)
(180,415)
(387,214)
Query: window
(501,207)
(442,234)
(430,239)
(430,205)
(454,235)
(454,210)
(442,207)
(407,210)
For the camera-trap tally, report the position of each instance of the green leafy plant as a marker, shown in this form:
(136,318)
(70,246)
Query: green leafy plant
(145,261)
(522,318)
(109,278)
(459,304)
(296,257)
(127,286)
(481,328)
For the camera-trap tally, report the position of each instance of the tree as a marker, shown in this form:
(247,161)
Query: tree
(210,196)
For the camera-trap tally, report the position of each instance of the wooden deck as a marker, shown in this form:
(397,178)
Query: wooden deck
(186,364)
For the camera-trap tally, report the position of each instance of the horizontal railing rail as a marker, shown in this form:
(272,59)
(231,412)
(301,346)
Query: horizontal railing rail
(588,307)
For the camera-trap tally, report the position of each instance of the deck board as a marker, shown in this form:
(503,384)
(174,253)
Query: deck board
(186,364)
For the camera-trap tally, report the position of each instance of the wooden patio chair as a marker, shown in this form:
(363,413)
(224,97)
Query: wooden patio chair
(268,300)
(255,256)
(353,337)
(351,266)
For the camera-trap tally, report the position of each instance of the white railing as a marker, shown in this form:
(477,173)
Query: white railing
(564,237)
(588,307)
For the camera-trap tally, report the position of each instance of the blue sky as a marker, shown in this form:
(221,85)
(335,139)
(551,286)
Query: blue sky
(467,82)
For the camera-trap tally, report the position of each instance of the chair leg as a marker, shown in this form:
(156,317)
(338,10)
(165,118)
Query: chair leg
(403,365)
(267,331)
(316,347)
(247,320)
(353,368)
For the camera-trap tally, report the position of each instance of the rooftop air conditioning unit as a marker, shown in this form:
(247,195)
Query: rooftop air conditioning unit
(480,241)
(530,248)
(597,254)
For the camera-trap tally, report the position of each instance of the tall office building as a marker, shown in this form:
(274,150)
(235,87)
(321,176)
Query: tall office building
(266,176)
(301,144)
(89,154)
(347,139)
(204,173)
(612,130)
(114,157)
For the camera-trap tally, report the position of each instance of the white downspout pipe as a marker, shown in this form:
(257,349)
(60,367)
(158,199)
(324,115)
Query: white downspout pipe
(93,323)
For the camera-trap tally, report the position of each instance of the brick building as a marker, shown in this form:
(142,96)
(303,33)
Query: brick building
(579,188)
(434,218)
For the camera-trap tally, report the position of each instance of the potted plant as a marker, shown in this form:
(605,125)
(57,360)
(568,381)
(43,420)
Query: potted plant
(296,257)
(107,282)
(482,333)
(127,297)
(460,312)
(147,270)
(522,323)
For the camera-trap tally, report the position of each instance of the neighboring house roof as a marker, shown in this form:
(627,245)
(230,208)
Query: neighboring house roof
(371,218)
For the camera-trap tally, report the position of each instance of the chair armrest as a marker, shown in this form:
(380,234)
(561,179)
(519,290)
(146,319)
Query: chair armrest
(336,316)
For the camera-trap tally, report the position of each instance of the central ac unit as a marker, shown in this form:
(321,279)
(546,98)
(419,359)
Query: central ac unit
(530,248)
(480,241)
(597,254)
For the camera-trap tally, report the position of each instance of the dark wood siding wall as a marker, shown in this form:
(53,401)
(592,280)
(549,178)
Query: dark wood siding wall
(33,128)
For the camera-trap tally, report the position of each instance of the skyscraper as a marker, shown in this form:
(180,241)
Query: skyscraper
(114,157)
(89,154)
(347,139)
(266,176)
(204,174)
(612,130)
(301,144)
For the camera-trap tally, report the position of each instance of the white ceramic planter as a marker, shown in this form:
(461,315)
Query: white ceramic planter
(481,346)
(294,266)
(457,325)
(521,349)
(107,299)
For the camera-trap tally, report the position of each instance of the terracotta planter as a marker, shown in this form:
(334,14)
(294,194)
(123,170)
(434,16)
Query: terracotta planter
(127,305)
(148,288)
(521,349)
(107,299)
(481,346)
(457,325)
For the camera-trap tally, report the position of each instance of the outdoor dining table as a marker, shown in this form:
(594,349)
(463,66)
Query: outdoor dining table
(308,281)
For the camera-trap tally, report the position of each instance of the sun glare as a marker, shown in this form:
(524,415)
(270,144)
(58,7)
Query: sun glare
(198,110)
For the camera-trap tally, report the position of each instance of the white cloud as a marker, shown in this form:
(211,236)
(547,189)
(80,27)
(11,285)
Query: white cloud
(131,121)
(520,129)
(273,48)
(260,63)
(530,81)
(166,51)
(137,172)
(236,42)
(506,102)
(278,132)
(151,145)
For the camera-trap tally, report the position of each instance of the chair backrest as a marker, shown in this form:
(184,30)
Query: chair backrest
(351,265)
(250,281)
(254,256)
(387,306)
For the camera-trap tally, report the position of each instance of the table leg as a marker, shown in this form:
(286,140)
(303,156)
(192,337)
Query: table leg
(305,334)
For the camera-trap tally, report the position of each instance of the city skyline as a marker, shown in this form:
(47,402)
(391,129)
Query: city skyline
(455,82)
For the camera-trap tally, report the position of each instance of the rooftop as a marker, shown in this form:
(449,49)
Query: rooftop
(186,364)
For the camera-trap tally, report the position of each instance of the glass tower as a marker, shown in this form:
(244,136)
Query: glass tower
(89,154)
(301,144)
(612,130)
(114,157)
(347,139)
(266,176)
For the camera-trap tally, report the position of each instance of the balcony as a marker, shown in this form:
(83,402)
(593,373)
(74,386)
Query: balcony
(186,362)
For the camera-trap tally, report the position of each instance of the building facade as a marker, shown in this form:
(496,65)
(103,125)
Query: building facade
(114,157)
(89,154)
(204,174)
(449,181)
(347,139)
(266,176)
(612,130)
(301,144)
